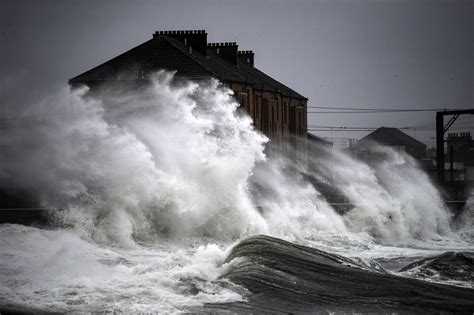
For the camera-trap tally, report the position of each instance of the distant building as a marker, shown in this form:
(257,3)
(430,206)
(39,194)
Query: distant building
(460,151)
(462,146)
(278,111)
(395,139)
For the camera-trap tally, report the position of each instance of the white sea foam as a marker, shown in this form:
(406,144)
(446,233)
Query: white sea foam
(157,184)
(176,161)
(464,223)
(169,161)
(58,271)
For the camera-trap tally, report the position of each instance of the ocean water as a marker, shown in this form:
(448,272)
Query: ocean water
(156,187)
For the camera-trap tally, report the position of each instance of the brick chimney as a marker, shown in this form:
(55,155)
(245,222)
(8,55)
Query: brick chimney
(196,39)
(227,51)
(246,56)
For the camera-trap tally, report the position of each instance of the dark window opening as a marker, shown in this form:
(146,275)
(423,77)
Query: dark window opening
(278,111)
(300,125)
(242,99)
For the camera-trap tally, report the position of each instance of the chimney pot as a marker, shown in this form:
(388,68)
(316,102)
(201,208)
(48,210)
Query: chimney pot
(226,50)
(246,56)
(193,38)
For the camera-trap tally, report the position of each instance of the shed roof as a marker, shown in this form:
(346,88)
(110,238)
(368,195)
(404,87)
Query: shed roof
(391,137)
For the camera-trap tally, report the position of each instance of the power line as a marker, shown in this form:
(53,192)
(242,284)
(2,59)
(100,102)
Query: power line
(350,128)
(372,112)
(403,128)
(371,129)
(381,109)
(331,130)
(417,127)
(347,110)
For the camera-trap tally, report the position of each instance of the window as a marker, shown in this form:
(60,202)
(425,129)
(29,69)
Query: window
(258,106)
(254,105)
(277,110)
(300,126)
(247,106)
(273,120)
(242,99)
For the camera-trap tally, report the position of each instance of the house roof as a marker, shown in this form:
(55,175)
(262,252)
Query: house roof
(391,137)
(152,55)
(168,53)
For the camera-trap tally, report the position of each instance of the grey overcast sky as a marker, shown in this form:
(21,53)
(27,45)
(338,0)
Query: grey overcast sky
(357,54)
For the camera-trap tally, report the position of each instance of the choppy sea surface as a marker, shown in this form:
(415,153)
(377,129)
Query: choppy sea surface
(169,203)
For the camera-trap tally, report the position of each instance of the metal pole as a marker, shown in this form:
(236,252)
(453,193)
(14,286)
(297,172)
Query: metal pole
(440,146)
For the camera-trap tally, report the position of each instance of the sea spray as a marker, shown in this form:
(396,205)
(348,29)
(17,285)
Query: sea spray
(178,160)
(393,199)
(290,204)
(155,185)
(172,160)
(464,223)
